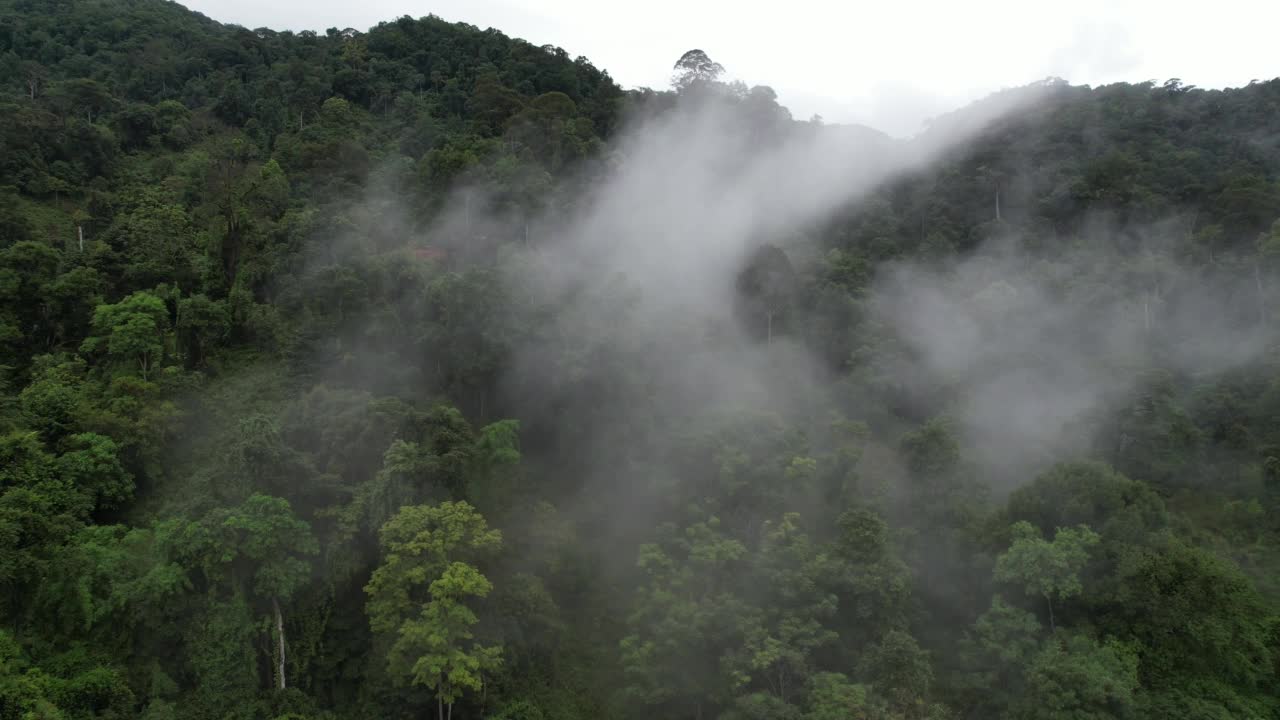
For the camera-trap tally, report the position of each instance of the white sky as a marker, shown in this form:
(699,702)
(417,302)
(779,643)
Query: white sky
(887,64)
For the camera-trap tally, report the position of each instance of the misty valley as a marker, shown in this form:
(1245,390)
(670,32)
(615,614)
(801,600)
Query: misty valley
(426,372)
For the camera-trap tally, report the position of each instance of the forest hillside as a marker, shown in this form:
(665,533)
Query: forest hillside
(421,371)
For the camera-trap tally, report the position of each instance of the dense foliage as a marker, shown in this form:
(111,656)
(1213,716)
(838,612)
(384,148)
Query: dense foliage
(284,432)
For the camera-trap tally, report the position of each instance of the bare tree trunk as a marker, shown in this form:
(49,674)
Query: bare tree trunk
(997,202)
(1052,627)
(80,233)
(440,707)
(275,605)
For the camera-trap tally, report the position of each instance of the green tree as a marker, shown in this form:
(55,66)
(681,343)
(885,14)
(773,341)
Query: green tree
(257,550)
(832,696)
(780,639)
(686,620)
(1049,569)
(994,656)
(417,597)
(27,269)
(900,670)
(131,332)
(267,534)
(436,649)
(161,245)
(92,463)
(1078,678)
(202,324)
(1206,637)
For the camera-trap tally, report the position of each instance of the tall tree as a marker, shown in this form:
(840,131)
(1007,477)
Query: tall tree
(417,599)
(1049,569)
(695,68)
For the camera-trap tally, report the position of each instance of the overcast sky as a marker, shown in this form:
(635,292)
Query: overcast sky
(886,64)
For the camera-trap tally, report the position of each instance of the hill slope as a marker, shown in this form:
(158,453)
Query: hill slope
(425,371)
